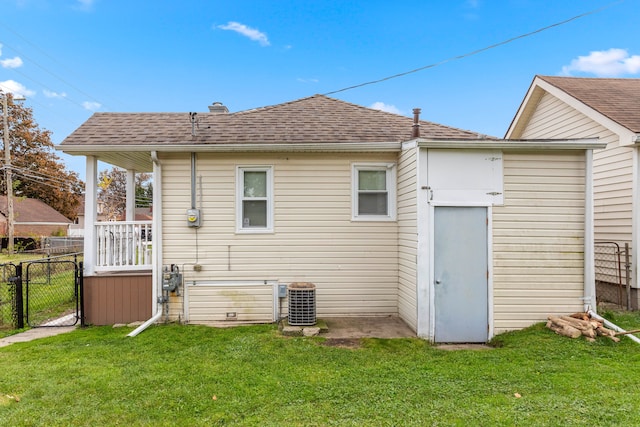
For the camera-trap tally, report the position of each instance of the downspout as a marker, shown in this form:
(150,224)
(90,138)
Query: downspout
(156,289)
(613,326)
(589,298)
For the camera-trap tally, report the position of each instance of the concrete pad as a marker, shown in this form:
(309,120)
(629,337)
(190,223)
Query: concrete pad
(367,327)
(34,334)
(310,331)
(291,331)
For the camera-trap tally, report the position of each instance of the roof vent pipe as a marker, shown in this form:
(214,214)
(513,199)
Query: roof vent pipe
(415,131)
(218,108)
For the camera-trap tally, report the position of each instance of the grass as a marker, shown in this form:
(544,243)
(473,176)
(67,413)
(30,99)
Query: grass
(251,376)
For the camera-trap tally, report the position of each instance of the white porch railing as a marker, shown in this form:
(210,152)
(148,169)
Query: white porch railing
(123,245)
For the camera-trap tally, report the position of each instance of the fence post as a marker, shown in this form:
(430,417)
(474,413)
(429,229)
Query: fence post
(19,304)
(80,279)
(627,267)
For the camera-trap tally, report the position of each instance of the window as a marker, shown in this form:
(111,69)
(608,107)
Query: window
(255,199)
(374,191)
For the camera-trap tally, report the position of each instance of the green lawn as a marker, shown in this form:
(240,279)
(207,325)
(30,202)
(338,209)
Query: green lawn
(251,376)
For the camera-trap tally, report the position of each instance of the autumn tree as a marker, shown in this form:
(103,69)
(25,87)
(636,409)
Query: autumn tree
(38,172)
(112,190)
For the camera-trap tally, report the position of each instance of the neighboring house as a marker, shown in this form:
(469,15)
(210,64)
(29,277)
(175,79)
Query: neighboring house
(608,109)
(32,218)
(77,228)
(460,235)
(144,214)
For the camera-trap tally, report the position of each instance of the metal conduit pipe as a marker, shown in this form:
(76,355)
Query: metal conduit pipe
(157,249)
(613,326)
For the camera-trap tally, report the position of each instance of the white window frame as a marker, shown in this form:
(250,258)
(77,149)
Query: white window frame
(240,170)
(390,169)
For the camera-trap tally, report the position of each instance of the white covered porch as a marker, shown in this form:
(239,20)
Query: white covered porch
(117,246)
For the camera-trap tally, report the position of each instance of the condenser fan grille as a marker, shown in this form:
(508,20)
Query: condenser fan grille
(302,304)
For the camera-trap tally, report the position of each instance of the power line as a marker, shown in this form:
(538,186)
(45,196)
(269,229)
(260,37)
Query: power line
(475,52)
(44,68)
(47,87)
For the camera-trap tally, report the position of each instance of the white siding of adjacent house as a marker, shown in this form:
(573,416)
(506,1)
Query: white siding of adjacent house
(538,239)
(613,166)
(408,236)
(354,264)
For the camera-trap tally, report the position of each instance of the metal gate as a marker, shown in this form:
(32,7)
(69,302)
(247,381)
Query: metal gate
(11,307)
(52,292)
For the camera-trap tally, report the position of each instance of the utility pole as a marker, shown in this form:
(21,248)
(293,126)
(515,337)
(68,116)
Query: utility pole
(7,171)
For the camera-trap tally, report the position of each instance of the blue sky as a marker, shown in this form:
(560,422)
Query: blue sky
(71,58)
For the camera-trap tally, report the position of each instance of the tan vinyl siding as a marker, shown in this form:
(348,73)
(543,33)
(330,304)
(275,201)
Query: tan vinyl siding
(408,236)
(354,265)
(245,303)
(612,191)
(555,119)
(538,239)
(612,173)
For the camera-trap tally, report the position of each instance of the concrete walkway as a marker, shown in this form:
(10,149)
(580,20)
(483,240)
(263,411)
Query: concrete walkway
(34,334)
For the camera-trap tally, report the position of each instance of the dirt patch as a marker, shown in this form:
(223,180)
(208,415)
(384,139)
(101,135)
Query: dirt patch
(352,343)
(463,347)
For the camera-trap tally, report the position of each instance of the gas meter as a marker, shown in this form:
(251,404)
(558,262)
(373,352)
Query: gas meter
(171,278)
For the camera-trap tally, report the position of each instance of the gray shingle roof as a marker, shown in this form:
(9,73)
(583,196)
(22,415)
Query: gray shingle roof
(316,119)
(617,99)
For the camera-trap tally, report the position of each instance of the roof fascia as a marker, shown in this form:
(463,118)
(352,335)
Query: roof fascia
(529,103)
(515,144)
(306,147)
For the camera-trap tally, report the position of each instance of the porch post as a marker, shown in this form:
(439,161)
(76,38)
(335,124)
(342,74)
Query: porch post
(90,215)
(635,222)
(130,214)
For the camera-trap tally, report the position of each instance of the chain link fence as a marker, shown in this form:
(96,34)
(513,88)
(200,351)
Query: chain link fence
(612,271)
(41,292)
(51,291)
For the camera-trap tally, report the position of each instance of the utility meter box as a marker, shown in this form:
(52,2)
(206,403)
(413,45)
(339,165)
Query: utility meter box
(193,217)
(171,278)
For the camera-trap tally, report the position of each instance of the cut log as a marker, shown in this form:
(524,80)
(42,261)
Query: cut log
(635,331)
(583,326)
(581,316)
(564,330)
(611,334)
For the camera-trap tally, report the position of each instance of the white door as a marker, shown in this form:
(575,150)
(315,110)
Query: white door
(460,274)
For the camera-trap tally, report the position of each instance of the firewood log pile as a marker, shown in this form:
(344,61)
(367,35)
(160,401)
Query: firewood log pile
(581,324)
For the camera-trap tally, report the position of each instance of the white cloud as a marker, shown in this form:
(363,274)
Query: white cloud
(385,107)
(605,63)
(11,62)
(301,80)
(15,88)
(249,32)
(52,94)
(91,106)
